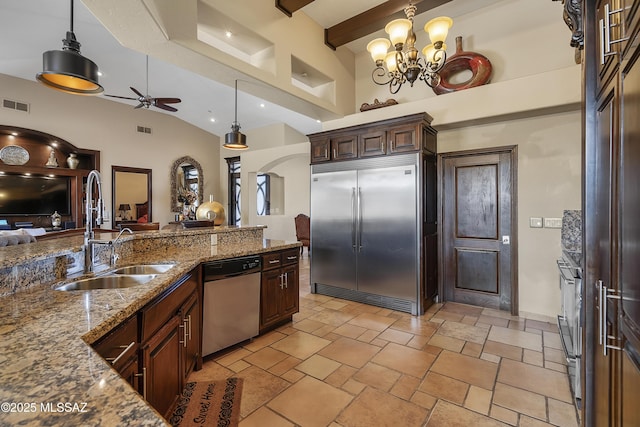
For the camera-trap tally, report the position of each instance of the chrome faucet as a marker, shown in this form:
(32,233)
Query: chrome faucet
(114,256)
(89,241)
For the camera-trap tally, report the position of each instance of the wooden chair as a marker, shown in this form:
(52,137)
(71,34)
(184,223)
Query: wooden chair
(303,231)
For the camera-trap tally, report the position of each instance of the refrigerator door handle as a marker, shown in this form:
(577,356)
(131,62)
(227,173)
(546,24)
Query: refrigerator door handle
(359,220)
(353,218)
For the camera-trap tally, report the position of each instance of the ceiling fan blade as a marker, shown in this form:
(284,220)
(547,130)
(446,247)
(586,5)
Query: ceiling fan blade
(168,100)
(121,97)
(165,107)
(136,91)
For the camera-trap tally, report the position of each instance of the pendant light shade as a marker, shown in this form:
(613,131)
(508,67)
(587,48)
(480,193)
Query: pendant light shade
(67,70)
(235,140)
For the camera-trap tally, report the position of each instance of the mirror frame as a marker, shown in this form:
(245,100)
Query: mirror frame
(175,207)
(114,170)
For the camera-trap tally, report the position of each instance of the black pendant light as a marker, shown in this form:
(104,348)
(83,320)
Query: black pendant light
(67,70)
(235,140)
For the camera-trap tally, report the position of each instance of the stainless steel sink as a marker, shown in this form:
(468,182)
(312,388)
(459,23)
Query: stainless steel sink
(106,282)
(144,269)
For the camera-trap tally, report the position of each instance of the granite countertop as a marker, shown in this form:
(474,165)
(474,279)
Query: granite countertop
(50,375)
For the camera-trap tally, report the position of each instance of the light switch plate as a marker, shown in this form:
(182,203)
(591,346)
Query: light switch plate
(535,222)
(553,223)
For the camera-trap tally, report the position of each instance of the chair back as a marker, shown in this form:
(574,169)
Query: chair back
(303,228)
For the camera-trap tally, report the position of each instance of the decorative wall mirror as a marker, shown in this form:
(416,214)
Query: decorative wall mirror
(186,175)
(130,195)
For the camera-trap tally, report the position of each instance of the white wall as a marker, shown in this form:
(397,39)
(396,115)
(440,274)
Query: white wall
(110,127)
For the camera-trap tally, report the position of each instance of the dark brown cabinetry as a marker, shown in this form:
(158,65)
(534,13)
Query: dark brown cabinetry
(39,146)
(279,294)
(611,351)
(157,348)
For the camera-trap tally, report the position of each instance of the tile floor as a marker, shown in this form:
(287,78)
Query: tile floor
(342,363)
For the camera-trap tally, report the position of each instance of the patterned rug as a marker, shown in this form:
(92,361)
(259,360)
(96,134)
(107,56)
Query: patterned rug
(214,403)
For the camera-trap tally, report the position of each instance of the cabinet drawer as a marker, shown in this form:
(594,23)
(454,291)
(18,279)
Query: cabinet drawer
(115,342)
(159,311)
(270,261)
(290,256)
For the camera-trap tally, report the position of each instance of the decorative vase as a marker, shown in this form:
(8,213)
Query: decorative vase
(186,211)
(56,220)
(72,161)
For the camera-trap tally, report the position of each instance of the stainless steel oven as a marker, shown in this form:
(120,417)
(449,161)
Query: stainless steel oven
(569,319)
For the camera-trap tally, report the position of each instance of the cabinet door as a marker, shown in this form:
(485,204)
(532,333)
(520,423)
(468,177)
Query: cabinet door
(269,295)
(344,147)
(130,371)
(191,334)
(373,143)
(320,150)
(608,57)
(403,139)
(290,295)
(162,366)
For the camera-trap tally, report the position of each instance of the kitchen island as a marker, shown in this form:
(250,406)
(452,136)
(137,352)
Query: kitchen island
(50,374)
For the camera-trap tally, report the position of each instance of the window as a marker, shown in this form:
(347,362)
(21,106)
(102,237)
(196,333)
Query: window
(264,194)
(234,213)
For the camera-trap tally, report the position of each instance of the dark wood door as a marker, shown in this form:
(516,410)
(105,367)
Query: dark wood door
(344,146)
(290,295)
(629,283)
(269,296)
(191,343)
(162,366)
(478,263)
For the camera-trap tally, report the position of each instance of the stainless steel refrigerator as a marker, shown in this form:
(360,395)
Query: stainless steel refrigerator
(365,231)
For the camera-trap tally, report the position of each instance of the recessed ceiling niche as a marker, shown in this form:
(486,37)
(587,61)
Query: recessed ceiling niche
(309,79)
(223,33)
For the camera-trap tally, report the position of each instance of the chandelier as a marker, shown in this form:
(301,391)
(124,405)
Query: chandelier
(404,64)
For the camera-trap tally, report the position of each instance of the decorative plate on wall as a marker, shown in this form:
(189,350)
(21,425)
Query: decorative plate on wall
(14,155)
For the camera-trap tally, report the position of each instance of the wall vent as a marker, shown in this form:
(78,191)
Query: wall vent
(143,129)
(15,105)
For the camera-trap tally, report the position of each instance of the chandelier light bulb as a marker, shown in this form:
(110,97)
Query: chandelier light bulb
(438,28)
(391,62)
(398,30)
(429,52)
(378,49)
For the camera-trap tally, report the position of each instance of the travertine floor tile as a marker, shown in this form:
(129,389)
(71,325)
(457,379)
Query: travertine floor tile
(518,400)
(353,353)
(467,310)
(562,414)
(377,376)
(404,359)
(464,332)
(332,317)
(308,325)
(526,421)
(447,343)
(350,331)
(551,340)
(265,417)
(505,415)
(533,378)
(258,388)
(375,408)
(478,400)
(340,375)
(405,387)
(318,366)
(310,402)
(415,325)
(444,387)
(446,414)
(266,357)
(372,321)
(516,338)
(465,368)
(395,336)
(503,350)
(301,344)
(264,340)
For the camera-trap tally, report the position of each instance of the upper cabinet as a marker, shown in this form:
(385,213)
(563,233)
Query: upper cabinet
(386,137)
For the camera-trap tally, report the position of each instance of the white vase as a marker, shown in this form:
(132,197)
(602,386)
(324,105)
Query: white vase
(72,161)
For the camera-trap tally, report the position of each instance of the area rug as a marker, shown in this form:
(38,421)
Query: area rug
(215,403)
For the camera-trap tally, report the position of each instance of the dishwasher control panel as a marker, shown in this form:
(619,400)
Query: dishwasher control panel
(216,270)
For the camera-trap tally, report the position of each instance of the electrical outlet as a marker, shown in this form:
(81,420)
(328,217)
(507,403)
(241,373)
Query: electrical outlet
(535,222)
(553,223)
(214,239)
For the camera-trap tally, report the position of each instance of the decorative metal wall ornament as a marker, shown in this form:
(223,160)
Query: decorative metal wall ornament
(478,64)
(378,104)
(572,16)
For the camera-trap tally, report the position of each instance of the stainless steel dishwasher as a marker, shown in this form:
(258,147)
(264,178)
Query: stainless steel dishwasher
(231,309)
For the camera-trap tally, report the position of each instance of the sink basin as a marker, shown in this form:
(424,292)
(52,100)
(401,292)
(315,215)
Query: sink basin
(106,282)
(143,269)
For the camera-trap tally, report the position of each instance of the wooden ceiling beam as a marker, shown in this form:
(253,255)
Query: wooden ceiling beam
(289,6)
(373,20)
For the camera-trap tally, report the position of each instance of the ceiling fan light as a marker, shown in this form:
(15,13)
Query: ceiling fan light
(70,72)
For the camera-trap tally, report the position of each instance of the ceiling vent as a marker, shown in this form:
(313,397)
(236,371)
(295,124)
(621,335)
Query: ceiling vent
(15,105)
(143,129)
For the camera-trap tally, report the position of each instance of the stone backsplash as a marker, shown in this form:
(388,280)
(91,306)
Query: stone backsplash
(571,237)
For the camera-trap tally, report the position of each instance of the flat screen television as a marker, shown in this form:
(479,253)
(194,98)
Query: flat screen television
(34,195)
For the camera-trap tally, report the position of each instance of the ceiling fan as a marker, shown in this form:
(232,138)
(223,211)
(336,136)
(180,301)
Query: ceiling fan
(146,101)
